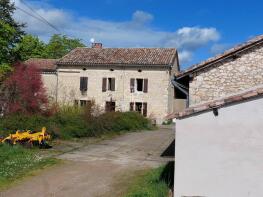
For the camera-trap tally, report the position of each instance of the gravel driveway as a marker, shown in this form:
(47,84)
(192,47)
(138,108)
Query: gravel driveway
(98,169)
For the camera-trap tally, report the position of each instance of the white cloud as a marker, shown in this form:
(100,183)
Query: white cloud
(141,18)
(137,32)
(185,56)
(191,38)
(218,48)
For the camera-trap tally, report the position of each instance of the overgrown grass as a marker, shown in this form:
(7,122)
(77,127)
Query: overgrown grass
(149,185)
(73,123)
(17,162)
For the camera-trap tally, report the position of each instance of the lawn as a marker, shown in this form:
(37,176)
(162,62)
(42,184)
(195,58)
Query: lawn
(17,162)
(149,184)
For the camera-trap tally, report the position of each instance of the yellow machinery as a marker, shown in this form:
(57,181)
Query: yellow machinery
(28,138)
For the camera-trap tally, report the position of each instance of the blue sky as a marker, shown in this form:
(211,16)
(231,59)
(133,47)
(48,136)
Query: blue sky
(198,29)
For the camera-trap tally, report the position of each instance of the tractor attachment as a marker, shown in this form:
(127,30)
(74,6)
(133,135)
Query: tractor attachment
(28,138)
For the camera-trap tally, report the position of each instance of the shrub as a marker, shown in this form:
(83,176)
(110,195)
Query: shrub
(72,122)
(24,91)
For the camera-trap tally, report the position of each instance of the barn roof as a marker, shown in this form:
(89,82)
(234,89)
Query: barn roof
(43,64)
(120,56)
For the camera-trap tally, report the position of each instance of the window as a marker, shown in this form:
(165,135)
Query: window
(108,84)
(139,85)
(83,84)
(111,84)
(83,103)
(139,107)
(110,106)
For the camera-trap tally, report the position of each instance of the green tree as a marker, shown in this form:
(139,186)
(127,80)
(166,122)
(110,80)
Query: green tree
(30,47)
(4,70)
(59,46)
(7,34)
(6,12)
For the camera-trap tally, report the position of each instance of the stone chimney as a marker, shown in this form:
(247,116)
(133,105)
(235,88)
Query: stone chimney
(96,45)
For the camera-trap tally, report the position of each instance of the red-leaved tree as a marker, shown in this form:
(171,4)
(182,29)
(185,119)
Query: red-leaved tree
(24,91)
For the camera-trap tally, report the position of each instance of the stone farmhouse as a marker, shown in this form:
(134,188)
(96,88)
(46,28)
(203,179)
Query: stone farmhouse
(219,137)
(117,79)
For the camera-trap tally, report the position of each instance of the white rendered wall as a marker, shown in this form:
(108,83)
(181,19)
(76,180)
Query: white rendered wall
(221,156)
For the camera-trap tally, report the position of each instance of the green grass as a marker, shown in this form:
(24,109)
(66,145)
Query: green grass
(17,162)
(149,185)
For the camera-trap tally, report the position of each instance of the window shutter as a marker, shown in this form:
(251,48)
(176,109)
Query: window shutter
(85,83)
(81,84)
(144,112)
(112,84)
(104,84)
(132,106)
(132,85)
(145,85)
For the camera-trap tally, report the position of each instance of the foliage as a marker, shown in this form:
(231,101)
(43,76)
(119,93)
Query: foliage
(30,47)
(60,45)
(24,91)
(7,35)
(10,32)
(16,162)
(168,122)
(149,185)
(4,70)
(70,123)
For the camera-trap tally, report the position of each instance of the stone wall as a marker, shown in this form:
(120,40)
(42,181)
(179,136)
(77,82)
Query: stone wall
(158,97)
(228,77)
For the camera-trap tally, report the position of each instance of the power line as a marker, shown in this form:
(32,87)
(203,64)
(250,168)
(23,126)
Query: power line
(40,18)
(43,19)
(28,13)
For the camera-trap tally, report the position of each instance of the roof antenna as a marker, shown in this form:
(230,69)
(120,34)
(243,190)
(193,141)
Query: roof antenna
(92,40)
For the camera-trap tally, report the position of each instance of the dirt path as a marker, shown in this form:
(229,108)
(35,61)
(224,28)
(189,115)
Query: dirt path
(93,171)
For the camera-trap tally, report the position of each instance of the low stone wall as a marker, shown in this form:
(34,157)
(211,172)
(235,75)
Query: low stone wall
(228,77)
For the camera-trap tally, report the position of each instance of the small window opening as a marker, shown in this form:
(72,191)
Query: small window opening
(111,84)
(84,69)
(139,70)
(110,106)
(138,107)
(83,103)
(139,83)
(111,69)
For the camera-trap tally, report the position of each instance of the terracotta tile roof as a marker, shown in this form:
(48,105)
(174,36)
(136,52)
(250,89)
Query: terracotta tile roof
(43,64)
(229,53)
(123,56)
(234,99)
